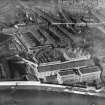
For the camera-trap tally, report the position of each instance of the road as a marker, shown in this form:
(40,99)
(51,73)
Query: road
(33,94)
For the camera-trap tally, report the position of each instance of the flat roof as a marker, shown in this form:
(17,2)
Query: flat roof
(65,65)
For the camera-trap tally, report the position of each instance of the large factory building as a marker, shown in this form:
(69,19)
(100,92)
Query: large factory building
(53,68)
(69,72)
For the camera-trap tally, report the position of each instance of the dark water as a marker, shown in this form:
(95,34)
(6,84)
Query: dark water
(33,97)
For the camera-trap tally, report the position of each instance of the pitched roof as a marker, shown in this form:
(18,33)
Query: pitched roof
(90,69)
(65,65)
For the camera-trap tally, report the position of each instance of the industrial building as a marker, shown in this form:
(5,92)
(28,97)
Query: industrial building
(55,48)
(53,68)
(86,75)
(90,73)
(74,76)
(69,75)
